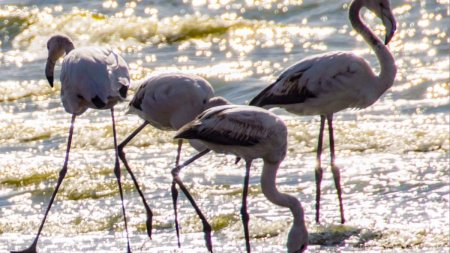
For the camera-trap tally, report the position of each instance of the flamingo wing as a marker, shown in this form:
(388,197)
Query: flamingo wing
(118,73)
(320,81)
(285,90)
(225,125)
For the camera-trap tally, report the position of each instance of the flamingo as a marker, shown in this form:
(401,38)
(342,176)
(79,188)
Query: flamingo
(91,77)
(167,102)
(328,83)
(249,132)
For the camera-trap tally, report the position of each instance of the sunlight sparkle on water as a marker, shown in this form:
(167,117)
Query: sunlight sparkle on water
(439,90)
(109,4)
(393,154)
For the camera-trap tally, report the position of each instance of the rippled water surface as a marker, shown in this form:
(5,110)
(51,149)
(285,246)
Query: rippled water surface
(393,155)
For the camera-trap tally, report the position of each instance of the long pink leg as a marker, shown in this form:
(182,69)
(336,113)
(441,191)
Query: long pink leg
(334,168)
(175,194)
(62,174)
(119,182)
(244,213)
(125,162)
(319,170)
(175,174)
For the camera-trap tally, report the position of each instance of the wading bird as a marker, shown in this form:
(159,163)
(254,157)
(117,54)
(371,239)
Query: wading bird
(167,102)
(250,133)
(327,83)
(91,77)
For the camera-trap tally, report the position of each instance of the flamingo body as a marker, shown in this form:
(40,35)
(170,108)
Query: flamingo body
(93,77)
(247,132)
(323,84)
(169,101)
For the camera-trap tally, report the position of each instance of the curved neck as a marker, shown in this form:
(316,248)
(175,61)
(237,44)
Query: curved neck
(387,62)
(68,47)
(270,191)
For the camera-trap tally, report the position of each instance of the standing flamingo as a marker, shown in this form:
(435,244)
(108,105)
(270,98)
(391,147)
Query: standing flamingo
(327,83)
(167,102)
(91,77)
(249,132)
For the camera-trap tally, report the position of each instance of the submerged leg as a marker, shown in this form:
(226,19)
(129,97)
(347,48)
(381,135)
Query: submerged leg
(175,174)
(244,214)
(175,194)
(319,170)
(119,182)
(62,174)
(122,157)
(334,168)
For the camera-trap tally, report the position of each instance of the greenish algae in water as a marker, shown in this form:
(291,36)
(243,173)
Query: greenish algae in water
(107,224)
(364,238)
(197,30)
(222,221)
(11,26)
(95,190)
(267,233)
(253,190)
(142,227)
(331,234)
(98,16)
(94,15)
(37,137)
(28,180)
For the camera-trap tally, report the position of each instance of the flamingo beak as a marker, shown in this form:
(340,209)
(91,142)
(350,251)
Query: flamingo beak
(49,69)
(50,80)
(389,23)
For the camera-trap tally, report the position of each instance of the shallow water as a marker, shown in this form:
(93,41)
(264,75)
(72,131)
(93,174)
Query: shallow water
(393,155)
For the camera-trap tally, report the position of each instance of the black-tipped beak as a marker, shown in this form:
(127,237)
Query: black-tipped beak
(390,25)
(50,80)
(49,69)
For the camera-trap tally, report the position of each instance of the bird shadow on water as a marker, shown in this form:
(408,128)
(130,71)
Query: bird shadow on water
(335,235)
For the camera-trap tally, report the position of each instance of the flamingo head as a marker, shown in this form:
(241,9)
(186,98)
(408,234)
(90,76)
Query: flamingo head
(57,45)
(382,9)
(297,239)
